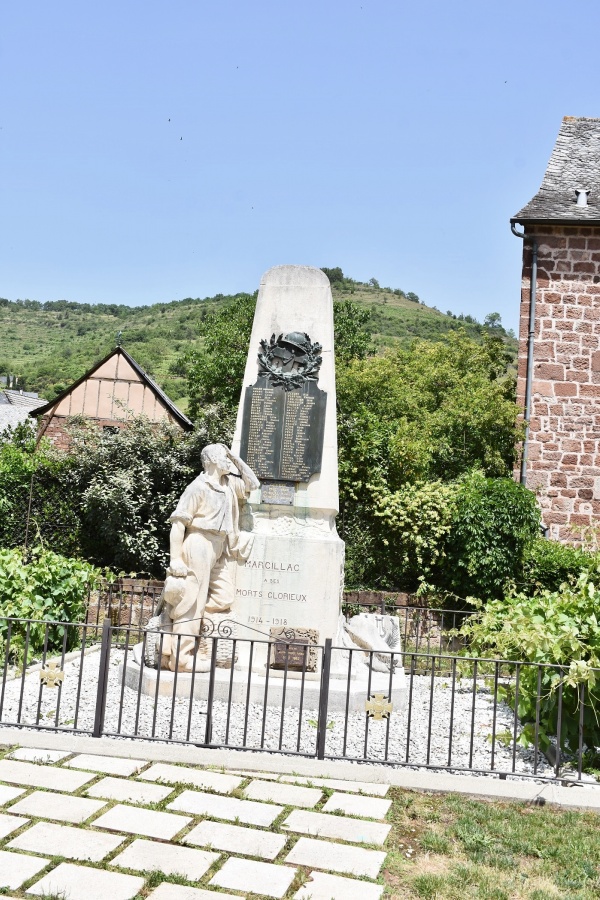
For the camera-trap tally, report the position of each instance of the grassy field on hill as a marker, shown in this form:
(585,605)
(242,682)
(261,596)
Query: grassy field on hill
(47,346)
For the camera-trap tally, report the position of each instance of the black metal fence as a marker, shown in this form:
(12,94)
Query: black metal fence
(425,630)
(415,708)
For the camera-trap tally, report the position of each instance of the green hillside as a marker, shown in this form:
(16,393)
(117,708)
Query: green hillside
(47,346)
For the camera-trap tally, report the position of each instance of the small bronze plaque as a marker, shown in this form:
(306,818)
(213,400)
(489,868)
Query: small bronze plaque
(297,647)
(278,492)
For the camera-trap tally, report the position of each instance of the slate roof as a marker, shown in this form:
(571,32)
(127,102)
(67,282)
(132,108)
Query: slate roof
(25,399)
(179,417)
(574,163)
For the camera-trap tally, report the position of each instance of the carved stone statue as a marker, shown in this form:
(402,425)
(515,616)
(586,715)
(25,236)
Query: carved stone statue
(378,635)
(205,535)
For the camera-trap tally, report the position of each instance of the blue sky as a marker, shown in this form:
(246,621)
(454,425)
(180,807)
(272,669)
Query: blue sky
(151,151)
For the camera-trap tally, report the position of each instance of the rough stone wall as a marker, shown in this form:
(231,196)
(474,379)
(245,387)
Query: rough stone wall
(564,452)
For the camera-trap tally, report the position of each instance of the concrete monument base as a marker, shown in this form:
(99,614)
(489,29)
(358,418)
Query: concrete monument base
(146,682)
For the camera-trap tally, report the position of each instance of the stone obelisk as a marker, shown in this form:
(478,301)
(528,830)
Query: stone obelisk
(286,431)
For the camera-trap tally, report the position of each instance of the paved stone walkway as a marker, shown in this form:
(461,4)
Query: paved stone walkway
(85,827)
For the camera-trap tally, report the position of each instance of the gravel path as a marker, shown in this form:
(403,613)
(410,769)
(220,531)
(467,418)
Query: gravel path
(130,715)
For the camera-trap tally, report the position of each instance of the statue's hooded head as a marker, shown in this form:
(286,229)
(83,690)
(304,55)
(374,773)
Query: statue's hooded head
(214,455)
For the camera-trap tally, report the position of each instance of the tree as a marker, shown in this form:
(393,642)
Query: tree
(493,320)
(336,276)
(352,339)
(215,372)
(430,413)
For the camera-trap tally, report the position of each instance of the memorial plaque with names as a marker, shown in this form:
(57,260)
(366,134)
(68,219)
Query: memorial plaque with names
(294,649)
(279,493)
(282,431)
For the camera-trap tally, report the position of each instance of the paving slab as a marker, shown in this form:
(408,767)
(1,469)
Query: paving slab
(336,784)
(61,807)
(83,883)
(336,857)
(356,831)
(9,793)
(34,775)
(254,877)
(166,891)
(332,887)
(212,781)
(268,776)
(31,754)
(354,805)
(151,856)
(246,811)
(233,839)
(15,869)
(62,840)
(128,791)
(8,824)
(133,820)
(107,765)
(287,794)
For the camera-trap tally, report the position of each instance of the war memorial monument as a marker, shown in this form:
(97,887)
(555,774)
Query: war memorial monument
(255,554)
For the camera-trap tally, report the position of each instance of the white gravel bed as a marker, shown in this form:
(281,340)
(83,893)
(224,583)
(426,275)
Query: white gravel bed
(128,715)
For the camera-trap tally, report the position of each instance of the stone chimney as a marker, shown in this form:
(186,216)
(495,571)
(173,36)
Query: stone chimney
(563,453)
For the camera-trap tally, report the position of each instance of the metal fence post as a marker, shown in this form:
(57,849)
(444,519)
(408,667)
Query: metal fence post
(211,692)
(323,700)
(102,679)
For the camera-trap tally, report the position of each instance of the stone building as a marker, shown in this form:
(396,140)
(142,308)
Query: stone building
(559,340)
(111,392)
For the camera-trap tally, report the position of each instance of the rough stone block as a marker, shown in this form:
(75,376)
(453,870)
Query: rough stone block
(216,807)
(62,807)
(233,839)
(134,820)
(152,856)
(336,857)
(83,883)
(63,840)
(254,877)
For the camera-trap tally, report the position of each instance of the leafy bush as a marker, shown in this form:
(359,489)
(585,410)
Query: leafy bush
(547,564)
(35,503)
(553,627)
(45,587)
(495,521)
(417,520)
